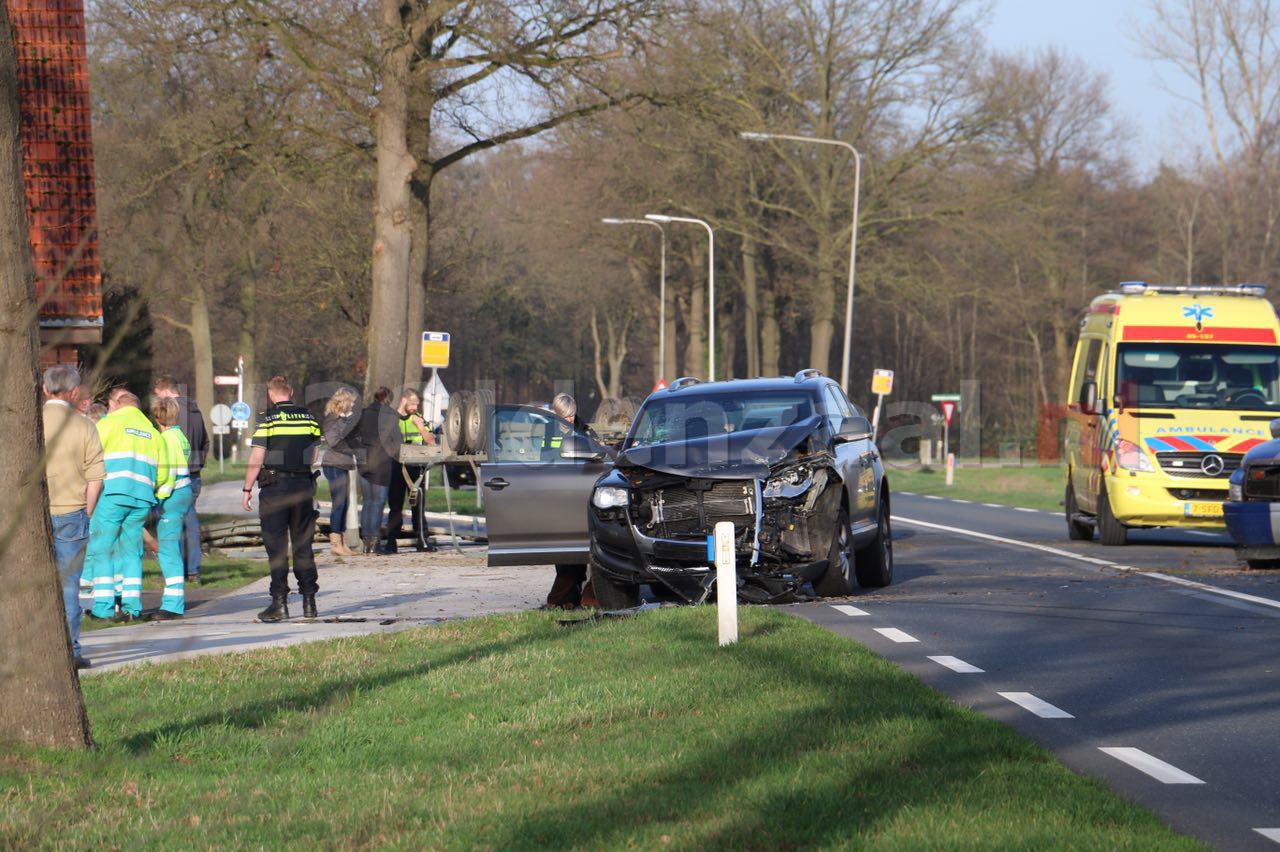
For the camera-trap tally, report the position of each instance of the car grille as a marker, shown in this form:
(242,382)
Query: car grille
(1188,464)
(683,511)
(1262,483)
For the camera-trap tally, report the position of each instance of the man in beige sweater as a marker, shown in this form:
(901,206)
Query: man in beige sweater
(74,470)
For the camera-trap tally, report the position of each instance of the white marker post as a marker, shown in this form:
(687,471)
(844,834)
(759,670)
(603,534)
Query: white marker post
(726,583)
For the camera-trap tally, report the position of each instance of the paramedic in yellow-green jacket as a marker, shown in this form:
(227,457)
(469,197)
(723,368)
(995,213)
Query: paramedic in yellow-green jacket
(132,454)
(173,488)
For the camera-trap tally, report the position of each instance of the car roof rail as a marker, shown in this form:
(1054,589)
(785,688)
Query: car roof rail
(808,373)
(684,382)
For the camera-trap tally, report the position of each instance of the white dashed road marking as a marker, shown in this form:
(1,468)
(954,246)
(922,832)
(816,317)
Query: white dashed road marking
(1030,703)
(958,500)
(848,610)
(932,497)
(895,634)
(1022,509)
(1272,834)
(994,506)
(1153,766)
(957,665)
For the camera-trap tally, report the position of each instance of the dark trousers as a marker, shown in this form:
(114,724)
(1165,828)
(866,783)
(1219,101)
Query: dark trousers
(396,498)
(287,510)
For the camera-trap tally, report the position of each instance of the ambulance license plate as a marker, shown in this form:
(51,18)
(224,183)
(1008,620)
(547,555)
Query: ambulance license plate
(1202,510)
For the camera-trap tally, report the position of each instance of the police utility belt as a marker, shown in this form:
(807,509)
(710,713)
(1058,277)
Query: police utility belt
(268,477)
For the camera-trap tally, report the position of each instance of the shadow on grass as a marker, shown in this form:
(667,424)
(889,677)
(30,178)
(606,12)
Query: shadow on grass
(256,714)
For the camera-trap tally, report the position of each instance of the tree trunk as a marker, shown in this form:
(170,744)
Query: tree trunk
(40,700)
(597,358)
(751,306)
(248,323)
(695,322)
(419,268)
(770,336)
(822,311)
(392,236)
(202,347)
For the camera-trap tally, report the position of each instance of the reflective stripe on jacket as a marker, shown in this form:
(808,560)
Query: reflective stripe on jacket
(175,474)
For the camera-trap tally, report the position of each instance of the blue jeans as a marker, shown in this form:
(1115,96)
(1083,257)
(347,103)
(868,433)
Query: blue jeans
(191,533)
(374,499)
(339,492)
(70,536)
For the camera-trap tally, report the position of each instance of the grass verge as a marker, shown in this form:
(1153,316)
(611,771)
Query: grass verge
(508,732)
(1032,487)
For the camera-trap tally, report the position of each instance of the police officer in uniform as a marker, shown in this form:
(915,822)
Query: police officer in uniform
(280,462)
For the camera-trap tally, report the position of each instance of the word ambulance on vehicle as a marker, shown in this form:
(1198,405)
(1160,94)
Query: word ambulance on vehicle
(1170,387)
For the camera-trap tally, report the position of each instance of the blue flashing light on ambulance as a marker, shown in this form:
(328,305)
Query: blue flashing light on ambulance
(1170,387)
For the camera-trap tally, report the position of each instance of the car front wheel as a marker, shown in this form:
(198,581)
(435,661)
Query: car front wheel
(874,563)
(838,579)
(612,593)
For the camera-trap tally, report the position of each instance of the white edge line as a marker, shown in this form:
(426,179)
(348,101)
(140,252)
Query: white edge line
(1165,773)
(958,500)
(1037,706)
(1044,548)
(1023,509)
(957,665)
(994,506)
(932,497)
(895,634)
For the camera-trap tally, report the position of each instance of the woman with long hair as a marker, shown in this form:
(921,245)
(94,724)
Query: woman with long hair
(340,422)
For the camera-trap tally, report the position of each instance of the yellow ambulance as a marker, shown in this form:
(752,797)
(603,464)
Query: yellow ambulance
(1170,387)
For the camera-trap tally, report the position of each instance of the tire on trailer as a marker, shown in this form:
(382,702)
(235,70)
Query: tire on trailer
(475,423)
(838,579)
(454,419)
(612,594)
(1111,532)
(1076,530)
(873,564)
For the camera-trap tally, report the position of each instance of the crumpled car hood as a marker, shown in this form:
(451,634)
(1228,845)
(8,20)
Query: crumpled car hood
(749,454)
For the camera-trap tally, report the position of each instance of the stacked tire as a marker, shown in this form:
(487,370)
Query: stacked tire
(466,423)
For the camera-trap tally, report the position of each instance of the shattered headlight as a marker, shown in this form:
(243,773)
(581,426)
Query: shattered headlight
(609,497)
(790,483)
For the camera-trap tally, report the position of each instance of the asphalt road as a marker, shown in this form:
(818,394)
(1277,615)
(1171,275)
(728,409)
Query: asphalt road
(1164,653)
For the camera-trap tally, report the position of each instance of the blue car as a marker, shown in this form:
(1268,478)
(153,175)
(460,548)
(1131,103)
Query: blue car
(1252,510)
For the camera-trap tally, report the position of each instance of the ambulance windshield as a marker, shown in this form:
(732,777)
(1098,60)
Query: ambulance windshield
(1198,375)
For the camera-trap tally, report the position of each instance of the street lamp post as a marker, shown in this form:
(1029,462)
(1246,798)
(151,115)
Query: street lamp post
(853,248)
(662,290)
(711,285)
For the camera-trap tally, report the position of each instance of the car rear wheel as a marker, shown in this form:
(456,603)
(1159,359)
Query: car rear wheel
(1111,532)
(874,563)
(611,593)
(838,579)
(1076,530)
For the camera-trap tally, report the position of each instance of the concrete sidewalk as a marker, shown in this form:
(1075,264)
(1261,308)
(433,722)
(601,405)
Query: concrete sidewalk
(358,595)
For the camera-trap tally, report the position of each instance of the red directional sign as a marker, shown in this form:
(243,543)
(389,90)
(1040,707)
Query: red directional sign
(948,409)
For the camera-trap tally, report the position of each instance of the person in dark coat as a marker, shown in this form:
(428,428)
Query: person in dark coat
(380,441)
(341,421)
(571,587)
(191,422)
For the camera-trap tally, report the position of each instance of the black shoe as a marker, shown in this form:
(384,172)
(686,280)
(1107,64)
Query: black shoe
(278,611)
(164,615)
(123,617)
(309,606)
(193,579)
(386,548)
(83,663)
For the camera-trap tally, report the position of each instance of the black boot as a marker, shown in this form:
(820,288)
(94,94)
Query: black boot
(369,544)
(309,606)
(278,611)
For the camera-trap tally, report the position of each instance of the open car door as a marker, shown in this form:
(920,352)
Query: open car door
(535,496)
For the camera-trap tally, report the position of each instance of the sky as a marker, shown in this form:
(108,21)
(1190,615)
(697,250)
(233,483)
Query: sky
(1103,34)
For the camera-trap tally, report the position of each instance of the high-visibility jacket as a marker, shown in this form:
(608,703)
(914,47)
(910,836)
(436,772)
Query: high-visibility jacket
(409,433)
(132,453)
(174,473)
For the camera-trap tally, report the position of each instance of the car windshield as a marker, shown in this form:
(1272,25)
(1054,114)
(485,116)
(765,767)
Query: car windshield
(1197,375)
(691,416)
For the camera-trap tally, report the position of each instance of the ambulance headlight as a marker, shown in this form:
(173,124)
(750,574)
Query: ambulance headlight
(609,497)
(1130,456)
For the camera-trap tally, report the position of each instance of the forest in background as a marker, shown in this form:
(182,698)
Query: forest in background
(246,152)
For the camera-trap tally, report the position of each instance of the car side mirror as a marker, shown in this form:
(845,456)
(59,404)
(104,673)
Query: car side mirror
(578,448)
(1089,398)
(1275,428)
(854,429)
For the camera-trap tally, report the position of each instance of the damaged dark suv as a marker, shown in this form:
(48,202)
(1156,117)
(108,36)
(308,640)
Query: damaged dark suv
(789,461)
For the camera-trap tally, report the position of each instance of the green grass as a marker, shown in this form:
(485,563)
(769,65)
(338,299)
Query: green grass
(1032,487)
(513,732)
(209,474)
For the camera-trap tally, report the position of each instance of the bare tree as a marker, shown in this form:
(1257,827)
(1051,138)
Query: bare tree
(40,700)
